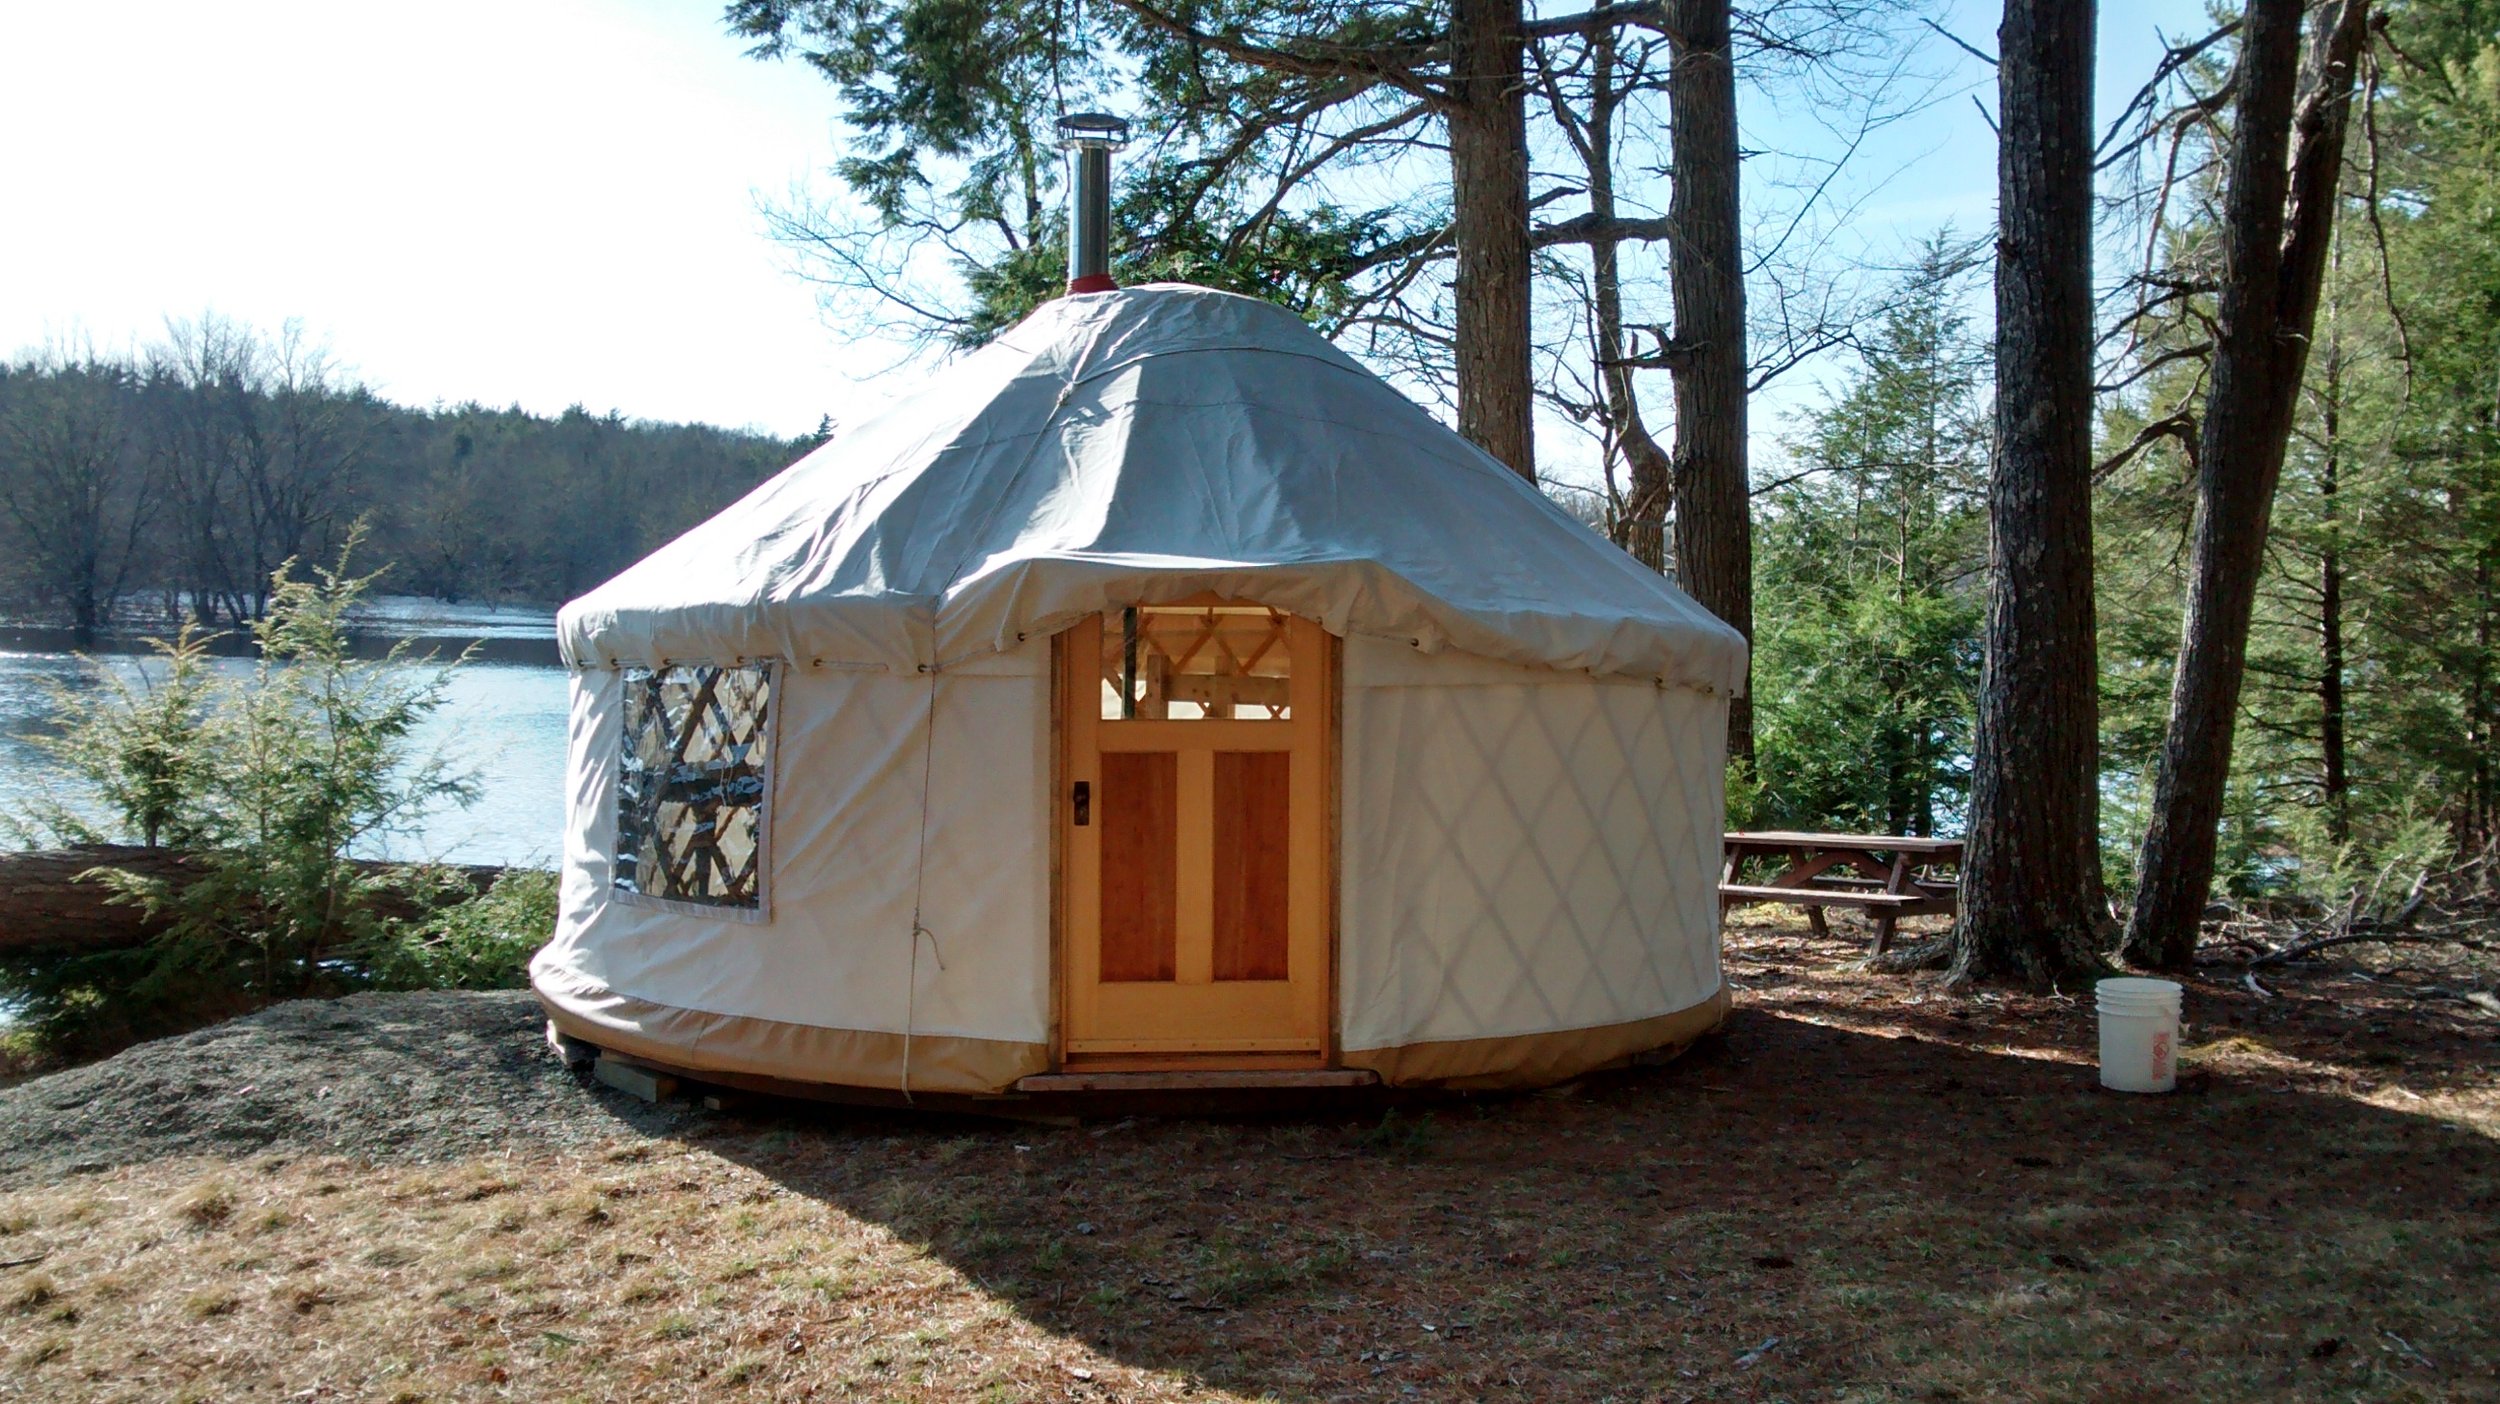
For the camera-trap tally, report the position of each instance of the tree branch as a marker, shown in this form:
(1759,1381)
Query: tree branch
(1959,42)
(1630,14)
(1395,65)
(1590,229)
(2178,56)
(1286,183)
(2180,426)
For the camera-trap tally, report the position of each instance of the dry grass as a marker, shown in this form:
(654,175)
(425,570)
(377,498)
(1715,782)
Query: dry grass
(205,1204)
(1871,1189)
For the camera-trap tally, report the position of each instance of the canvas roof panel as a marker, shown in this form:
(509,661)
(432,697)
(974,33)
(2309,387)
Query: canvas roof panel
(1137,446)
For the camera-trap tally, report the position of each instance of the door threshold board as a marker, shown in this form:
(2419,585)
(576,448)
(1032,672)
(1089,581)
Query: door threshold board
(1191,1060)
(1198,1080)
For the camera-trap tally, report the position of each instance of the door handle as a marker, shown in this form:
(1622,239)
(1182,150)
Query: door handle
(1084,798)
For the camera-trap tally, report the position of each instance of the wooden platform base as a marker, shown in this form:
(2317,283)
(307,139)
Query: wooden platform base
(1200,1080)
(1054,1098)
(634,1080)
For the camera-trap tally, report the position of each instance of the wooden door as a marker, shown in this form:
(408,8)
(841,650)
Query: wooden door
(1196,818)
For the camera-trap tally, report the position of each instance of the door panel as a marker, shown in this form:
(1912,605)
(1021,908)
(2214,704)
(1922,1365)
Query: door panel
(1196,914)
(1139,802)
(1253,826)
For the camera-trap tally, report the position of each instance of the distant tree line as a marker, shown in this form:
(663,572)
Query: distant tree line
(173,483)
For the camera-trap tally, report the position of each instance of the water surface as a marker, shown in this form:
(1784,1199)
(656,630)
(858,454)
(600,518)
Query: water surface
(503,721)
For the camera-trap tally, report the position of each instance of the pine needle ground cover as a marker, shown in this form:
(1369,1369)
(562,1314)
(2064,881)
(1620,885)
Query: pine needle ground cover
(1870,1189)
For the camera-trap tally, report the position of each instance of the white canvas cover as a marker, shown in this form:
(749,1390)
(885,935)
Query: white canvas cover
(838,951)
(1136,446)
(1532,726)
(1524,851)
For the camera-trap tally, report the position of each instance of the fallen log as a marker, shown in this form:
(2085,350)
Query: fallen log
(45,909)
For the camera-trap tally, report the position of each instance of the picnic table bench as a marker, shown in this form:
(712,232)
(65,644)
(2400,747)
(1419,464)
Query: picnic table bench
(1884,875)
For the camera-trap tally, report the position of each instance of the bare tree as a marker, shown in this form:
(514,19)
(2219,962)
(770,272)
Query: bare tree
(1704,487)
(72,481)
(1613,70)
(255,439)
(203,382)
(319,433)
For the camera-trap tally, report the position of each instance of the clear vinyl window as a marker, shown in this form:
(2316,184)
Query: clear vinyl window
(1196,662)
(694,776)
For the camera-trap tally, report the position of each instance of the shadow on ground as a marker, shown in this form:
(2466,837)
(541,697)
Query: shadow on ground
(1798,1208)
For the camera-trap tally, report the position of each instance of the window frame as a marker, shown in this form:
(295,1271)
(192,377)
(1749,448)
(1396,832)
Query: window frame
(630,677)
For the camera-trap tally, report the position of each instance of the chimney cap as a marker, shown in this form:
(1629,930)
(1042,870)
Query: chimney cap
(1092,129)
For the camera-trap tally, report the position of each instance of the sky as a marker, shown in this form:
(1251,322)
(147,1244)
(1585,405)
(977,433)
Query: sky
(546,202)
(556,202)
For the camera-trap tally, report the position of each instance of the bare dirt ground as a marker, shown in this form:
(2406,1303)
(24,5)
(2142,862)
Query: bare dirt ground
(382,1077)
(1870,1188)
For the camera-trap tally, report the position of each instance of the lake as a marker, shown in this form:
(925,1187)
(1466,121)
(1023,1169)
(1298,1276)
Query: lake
(503,720)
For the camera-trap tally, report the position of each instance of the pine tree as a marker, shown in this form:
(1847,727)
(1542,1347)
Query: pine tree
(1869,577)
(2032,901)
(2284,167)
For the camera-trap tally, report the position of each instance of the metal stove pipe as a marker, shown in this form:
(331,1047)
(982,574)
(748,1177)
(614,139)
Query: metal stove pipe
(1090,138)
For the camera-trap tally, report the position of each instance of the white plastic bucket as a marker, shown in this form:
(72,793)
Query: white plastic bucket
(2139,1034)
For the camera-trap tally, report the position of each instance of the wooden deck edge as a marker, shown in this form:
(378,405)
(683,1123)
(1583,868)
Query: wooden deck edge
(1063,1099)
(1199,1080)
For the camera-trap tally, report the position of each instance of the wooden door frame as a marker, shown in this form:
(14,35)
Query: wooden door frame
(1332,695)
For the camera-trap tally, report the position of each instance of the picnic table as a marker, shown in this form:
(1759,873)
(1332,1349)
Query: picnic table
(1885,875)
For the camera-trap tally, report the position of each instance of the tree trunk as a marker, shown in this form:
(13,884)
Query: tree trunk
(1901,777)
(1923,817)
(46,910)
(2336,782)
(2032,903)
(1641,526)
(2331,707)
(2274,261)
(1488,123)
(1706,275)
(2482,721)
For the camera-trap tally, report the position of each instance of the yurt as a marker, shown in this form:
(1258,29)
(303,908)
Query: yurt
(1154,693)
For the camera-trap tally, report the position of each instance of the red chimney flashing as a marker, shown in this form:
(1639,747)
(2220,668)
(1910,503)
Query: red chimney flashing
(1092,283)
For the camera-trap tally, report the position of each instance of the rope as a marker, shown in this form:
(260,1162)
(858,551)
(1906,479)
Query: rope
(920,878)
(928,742)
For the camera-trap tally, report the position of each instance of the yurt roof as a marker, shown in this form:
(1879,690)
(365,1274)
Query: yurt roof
(1134,447)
